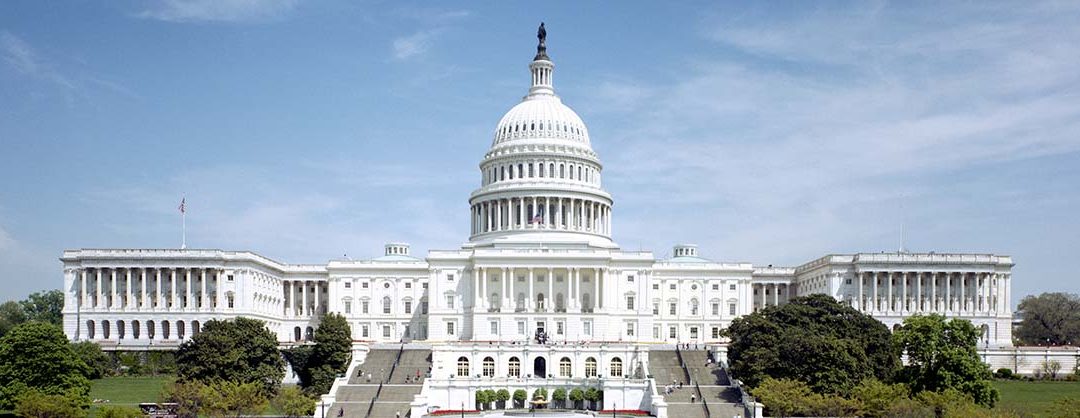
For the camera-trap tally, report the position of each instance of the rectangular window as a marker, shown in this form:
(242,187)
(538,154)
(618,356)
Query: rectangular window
(386,307)
(847,281)
(731,286)
(630,279)
(672,308)
(656,333)
(348,285)
(693,333)
(363,285)
(494,327)
(449,277)
(630,303)
(424,286)
(386,331)
(630,329)
(229,278)
(408,285)
(715,286)
(715,332)
(521,327)
(586,327)
(672,332)
(348,307)
(449,328)
(364,306)
(560,327)
(731,309)
(230,300)
(716,309)
(408,307)
(671,286)
(423,308)
(656,309)
(656,286)
(450,301)
(364,331)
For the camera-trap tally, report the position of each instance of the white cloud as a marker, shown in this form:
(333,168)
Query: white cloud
(219,10)
(410,46)
(24,59)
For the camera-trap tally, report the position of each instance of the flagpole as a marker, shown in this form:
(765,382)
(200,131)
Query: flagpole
(183,230)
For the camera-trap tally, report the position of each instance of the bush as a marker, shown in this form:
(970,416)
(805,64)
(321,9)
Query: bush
(113,411)
(34,404)
(293,402)
(1004,373)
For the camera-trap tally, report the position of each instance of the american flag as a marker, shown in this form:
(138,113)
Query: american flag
(539,217)
(182,205)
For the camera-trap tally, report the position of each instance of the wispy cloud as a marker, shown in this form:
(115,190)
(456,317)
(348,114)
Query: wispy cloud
(19,55)
(410,46)
(219,10)
(433,22)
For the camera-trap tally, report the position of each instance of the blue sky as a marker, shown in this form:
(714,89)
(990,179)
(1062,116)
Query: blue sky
(775,134)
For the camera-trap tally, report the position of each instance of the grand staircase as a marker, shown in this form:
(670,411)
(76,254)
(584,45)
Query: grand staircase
(701,381)
(378,389)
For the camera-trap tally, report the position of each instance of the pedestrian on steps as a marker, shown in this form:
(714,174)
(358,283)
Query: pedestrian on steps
(693,398)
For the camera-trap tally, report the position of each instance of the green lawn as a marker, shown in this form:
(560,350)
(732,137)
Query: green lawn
(126,391)
(1034,397)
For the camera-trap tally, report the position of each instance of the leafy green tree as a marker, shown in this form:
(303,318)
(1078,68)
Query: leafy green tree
(784,397)
(11,315)
(45,307)
(877,398)
(317,365)
(240,350)
(233,399)
(559,397)
(188,397)
(814,339)
(1049,319)
(293,402)
(577,396)
(519,397)
(114,411)
(37,356)
(483,402)
(593,395)
(90,353)
(942,355)
(35,404)
(502,396)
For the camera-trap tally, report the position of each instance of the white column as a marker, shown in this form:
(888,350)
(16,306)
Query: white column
(114,292)
(875,305)
(507,279)
(570,224)
(862,277)
(203,297)
(948,292)
(530,300)
(918,292)
(522,222)
(127,289)
(963,292)
(559,212)
(173,295)
(549,301)
(318,296)
(596,289)
(303,301)
(776,294)
(478,279)
(82,288)
(933,291)
(158,298)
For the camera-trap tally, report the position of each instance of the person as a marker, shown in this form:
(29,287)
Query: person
(693,398)
(397,414)
(369,377)
(341,412)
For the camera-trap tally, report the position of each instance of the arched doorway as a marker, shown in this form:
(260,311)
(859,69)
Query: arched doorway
(540,367)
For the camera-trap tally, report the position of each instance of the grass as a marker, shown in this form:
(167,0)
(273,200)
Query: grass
(1034,397)
(126,390)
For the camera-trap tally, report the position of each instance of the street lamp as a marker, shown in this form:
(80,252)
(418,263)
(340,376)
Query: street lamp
(323,404)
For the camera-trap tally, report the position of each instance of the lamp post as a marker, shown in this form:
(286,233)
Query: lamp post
(323,404)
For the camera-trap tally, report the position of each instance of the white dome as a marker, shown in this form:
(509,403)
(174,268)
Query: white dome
(541,117)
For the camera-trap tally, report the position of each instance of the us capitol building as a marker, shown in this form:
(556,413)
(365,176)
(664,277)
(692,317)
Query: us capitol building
(540,265)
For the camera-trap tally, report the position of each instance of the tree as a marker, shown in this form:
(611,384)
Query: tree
(233,399)
(37,356)
(784,397)
(11,315)
(593,395)
(90,353)
(577,396)
(45,307)
(240,350)
(814,339)
(35,404)
(877,398)
(114,411)
(1051,368)
(559,397)
(317,365)
(186,395)
(502,396)
(1049,319)
(519,397)
(942,355)
(483,402)
(293,402)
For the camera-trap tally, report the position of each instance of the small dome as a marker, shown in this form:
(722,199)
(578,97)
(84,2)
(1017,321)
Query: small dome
(541,117)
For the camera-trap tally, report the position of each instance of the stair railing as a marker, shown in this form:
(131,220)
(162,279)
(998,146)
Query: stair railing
(371,405)
(394,366)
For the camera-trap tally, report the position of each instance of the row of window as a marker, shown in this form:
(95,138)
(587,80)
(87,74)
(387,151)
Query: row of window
(673,307)
(512,171)
(673,286)
(137,328)
(673,332)
(387,306)
(562,127)
(566,367)
(386,285)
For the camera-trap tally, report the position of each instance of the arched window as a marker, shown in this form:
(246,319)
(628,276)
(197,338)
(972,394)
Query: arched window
(541,169)
(590,367)
(165,329)
(551,170)
(520,305)
(150,329)
(310,334)
(571,171)
(489,367)
(386,304)
(562,171)
(502,173)
(90,329)
(105,329)
(194,328)
(565,369)
(463,367)
(559,302)
(521,169)
(515,367)
(531,172)
(135,329)
(616,367)
(579,172)
(180,329)
(120,329)
(493,301)
(540,302)
(297,334)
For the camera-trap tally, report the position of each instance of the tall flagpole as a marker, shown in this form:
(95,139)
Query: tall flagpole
(183,223)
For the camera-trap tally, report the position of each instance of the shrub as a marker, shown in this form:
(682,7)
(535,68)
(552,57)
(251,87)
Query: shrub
(1004,373)
(114,411)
